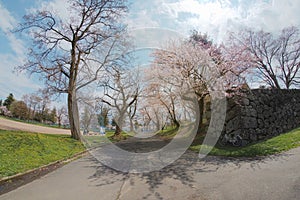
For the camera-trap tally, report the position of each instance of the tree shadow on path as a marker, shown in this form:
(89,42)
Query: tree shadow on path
(183,170)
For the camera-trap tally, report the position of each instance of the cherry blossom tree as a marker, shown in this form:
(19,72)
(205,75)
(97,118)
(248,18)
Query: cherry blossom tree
(151,107)
(161,98)
(198,63)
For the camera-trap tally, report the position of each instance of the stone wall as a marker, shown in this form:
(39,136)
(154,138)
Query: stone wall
(262,113)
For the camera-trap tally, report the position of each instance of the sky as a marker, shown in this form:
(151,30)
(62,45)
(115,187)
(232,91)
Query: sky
(214,17)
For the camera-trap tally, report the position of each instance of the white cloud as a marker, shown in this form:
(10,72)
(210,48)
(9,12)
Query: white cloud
(141,14)
(7,21)
(17,46)
(277,14)
(59,7)
(141,20)
(18,84)
(216,17)
(11,82)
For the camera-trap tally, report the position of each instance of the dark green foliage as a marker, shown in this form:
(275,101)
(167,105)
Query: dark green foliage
(8,101)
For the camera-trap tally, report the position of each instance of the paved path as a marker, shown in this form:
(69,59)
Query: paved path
(274,178)
(7,124)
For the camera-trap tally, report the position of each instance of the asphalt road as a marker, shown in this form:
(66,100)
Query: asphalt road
(213,178)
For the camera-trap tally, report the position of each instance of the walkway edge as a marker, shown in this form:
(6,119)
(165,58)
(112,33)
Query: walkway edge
(10,183)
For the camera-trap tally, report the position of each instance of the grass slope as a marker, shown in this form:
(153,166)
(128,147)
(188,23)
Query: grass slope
(274,145)
(91,141)
(22,151)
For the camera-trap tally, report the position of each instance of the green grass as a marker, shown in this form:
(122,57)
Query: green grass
(123,136)
(168,133)
(91,141)
(22,151)
(281,143)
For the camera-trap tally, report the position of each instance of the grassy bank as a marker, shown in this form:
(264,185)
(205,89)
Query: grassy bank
(168,133)
(22,151)
(91,141)
(278,144)
(275,145)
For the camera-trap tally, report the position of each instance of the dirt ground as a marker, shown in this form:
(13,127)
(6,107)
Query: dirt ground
(7,124)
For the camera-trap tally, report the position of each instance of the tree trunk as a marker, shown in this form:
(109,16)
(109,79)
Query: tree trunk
(117,131)
(73,116)
(119,124)
(176,123)
(201,112)
(131,125)
(131,122)
(157,123)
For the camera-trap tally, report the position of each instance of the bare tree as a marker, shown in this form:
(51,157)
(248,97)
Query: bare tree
(121,92)
(37,104)
(131,114)
(44,103)
(26,99)
(32,101)
(71,53)
(103,119)
(276,59)
(87,117)
(61,113)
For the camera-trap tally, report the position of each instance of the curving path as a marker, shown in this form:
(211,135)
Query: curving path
(212,178)
(7,124)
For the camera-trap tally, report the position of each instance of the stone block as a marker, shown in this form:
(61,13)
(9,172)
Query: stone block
(261,123)
(249,122)
(252,113)
(264,113)
(233,124)
(245,101)
(235,111)
(253,137)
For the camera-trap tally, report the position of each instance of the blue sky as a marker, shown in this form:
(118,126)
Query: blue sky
(214,17)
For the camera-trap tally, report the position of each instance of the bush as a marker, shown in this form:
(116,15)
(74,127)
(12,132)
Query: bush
(19,109)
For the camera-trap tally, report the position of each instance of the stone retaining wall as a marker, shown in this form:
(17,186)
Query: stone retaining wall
(262,113)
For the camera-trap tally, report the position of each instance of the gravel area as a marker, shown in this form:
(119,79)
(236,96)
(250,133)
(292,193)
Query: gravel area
(7,124)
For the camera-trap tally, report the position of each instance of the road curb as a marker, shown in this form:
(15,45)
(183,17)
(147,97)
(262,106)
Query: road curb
(10,183)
